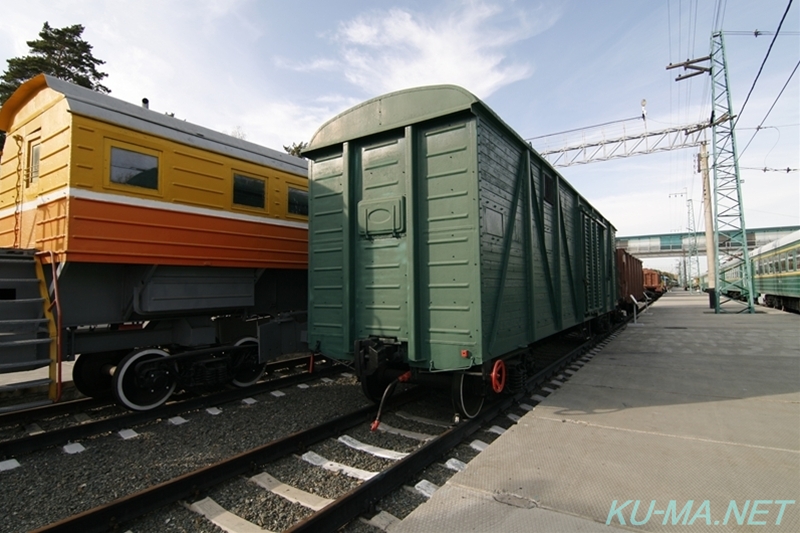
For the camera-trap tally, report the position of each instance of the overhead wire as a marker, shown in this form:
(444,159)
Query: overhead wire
(767,169)
(758,33)
(694,29)
(720,13)
(773,126)
(584,128)
(760,126)
(761,68)
(691,35)
(690,53)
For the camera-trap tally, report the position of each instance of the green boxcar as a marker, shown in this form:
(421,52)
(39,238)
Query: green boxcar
(440,241)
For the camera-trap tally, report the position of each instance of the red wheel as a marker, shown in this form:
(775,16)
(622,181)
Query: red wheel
(499,376)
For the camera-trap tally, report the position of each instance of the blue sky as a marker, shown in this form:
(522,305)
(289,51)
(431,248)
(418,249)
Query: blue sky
(277,70)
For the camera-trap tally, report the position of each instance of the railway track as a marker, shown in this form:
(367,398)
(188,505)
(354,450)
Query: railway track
(79,425)
(195,489)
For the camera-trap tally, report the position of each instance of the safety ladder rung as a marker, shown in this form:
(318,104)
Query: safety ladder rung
(22,301)
(18,260)
(25,342)
(23,321)
(23,325)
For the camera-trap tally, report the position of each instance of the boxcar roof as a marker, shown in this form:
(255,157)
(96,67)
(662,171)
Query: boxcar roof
(399,109)
(391,111)
(92,104)
(404,108)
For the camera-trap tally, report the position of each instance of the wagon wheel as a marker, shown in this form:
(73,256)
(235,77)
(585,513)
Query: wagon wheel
(91,373)
(248,370)
(467,393)
(499,376)
(147,389)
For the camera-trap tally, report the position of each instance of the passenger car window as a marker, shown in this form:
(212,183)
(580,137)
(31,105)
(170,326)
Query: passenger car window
(298,202)
(134,168)
(249,191)
(33,164)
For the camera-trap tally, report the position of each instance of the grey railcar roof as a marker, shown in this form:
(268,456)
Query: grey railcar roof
(774,245)
(89,103)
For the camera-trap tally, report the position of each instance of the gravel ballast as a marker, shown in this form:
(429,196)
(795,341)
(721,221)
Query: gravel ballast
(51,485)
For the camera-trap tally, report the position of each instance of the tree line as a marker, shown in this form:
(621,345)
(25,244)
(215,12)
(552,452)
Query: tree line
(64,54)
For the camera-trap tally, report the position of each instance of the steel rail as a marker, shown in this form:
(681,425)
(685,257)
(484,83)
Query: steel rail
(127,508)
(362,498)
(39,441)
(44,411)
(81,404)
(341,511)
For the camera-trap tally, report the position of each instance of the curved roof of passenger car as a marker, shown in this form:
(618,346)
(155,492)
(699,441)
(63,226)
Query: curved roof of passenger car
(99,106)
(778,243)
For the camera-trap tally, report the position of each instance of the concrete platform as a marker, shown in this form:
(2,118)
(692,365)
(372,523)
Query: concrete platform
(14,378)
(26,389)
(687,422)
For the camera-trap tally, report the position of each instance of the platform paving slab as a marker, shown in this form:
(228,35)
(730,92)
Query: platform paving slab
(688,406)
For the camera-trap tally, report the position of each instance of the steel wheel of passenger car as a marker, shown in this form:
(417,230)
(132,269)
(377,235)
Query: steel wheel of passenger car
(148,388)
(249,370)
(91,373)
(467,393)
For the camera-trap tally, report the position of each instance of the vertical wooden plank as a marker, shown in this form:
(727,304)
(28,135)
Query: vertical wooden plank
(348,232)
(558,311)
(414,353)
(528,236)
(509,238)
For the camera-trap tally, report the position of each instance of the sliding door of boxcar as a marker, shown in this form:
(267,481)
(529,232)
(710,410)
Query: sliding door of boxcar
(595,260)
(328,257)
(448,253)
(380,264)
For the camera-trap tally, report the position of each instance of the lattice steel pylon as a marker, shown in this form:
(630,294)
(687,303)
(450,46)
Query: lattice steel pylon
(691,267)
(736,286)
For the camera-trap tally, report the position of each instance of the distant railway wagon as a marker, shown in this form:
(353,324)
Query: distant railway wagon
(653,281)
(630,280)
(442,246)
(160,251)
(775,270)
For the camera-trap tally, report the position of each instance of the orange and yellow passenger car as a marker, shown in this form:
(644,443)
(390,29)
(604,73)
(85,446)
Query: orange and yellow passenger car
(168,238)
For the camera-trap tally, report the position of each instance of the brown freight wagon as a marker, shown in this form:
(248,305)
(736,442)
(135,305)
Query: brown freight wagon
(630,280)
(652,281)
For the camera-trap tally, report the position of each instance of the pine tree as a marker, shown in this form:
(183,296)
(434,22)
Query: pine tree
(59,52)
(296,149)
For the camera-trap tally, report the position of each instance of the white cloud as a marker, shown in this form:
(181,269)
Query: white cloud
(279,122)
(316,65)
(467,45)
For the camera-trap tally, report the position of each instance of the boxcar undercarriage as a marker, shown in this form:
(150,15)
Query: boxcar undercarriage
(380,363)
